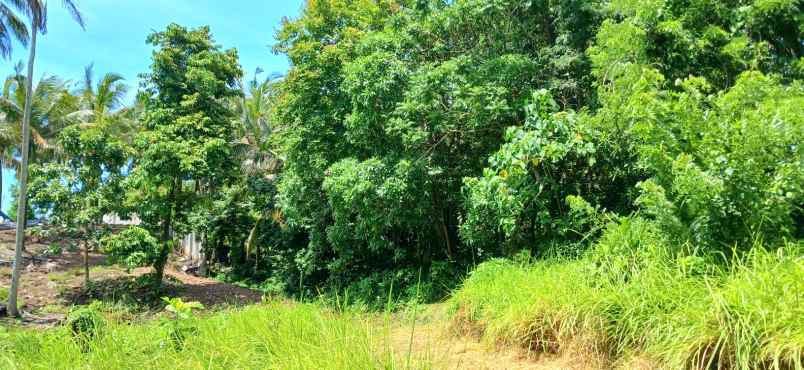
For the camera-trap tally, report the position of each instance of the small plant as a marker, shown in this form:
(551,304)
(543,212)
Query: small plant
(133,247)
(54,250)
(181,325)
(86,323)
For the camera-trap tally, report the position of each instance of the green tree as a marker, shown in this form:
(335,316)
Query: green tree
(184,151)
(52,108)
(255,148)
(255,109)
(78,193)
(36,11)
(102,103)
(50,112)
(389,105)
(8,139)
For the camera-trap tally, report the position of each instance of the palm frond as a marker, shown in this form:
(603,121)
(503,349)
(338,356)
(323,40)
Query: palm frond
(72,8)
(11,27)
(111,91)
(23,6)
(87,90)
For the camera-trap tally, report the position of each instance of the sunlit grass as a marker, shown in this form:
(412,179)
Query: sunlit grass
(270,336)
(747,316)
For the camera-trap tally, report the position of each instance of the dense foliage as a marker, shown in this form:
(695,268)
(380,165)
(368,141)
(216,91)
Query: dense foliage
(411,140)
(184,155)
(621,177)
(427,132)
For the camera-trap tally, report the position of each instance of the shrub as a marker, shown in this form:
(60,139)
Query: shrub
(132,247)
(85,324)
(180,326)
(546,184)
(726,167)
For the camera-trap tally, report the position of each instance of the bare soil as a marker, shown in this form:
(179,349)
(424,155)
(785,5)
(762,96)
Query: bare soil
(50,284)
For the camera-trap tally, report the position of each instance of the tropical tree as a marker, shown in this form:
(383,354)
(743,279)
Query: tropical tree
(52,108)
(7,142)
(36,12)
(12,27)
(185,151)
(51,104)
(102,104)
(77,193)
(254,146)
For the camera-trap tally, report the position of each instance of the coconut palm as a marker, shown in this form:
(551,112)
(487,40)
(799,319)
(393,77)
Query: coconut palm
(253,146)
(102,104)
(36,12)
(254,130)
(8,138)
(50,104)
(12,28)
(99,100)
(51,110)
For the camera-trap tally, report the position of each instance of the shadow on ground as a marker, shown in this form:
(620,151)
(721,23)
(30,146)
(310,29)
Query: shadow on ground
(137,291)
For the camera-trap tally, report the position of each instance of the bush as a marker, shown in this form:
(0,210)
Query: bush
(728,166)
(132,247)
(181,325)
(546,185)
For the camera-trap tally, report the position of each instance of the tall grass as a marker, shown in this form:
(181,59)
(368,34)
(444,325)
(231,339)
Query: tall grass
(749,315)
(272,336)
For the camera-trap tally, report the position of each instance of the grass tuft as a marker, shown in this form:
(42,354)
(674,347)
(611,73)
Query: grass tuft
(743,317)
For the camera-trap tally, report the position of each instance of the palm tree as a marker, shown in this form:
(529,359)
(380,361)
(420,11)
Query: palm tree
(99,111)
(253,146)
(50,103)
(102,104)
(51,110)
(8,138)
(11,27)
(36,12)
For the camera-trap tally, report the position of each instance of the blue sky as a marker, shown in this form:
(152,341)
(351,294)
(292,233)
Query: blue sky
(115,34)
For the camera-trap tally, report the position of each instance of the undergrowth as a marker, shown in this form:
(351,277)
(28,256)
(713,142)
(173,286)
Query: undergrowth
(269,336)
(745,314)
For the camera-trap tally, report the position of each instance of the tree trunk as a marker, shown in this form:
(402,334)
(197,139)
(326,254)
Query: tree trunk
(1,183)
(23,187)
(86,264)
(159,266)
(202,268)
(447,241)
(251,245)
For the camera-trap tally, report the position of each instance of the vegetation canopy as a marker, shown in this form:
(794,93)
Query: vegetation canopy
(621,178)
